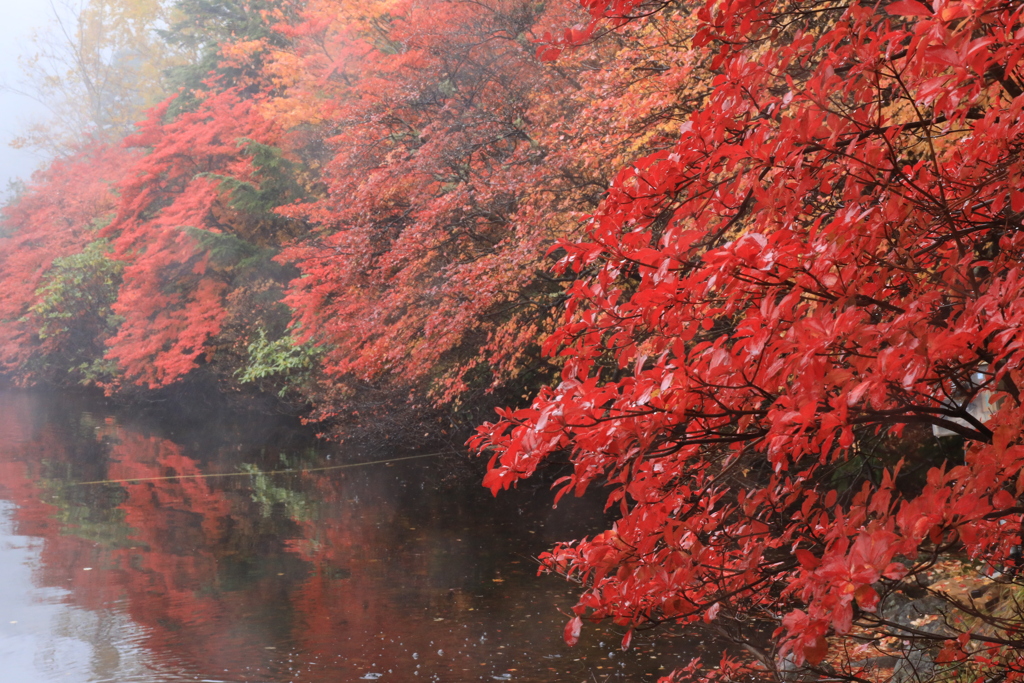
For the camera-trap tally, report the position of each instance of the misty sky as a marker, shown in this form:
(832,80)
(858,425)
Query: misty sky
(18,19)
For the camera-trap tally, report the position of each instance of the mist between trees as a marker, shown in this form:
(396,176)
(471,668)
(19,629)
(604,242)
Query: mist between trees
(738,262)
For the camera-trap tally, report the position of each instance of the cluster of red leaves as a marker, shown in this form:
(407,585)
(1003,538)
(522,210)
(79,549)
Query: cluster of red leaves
(456,161)
(412,245)
(831,249)
(56,215)
(149,198)
(173,299)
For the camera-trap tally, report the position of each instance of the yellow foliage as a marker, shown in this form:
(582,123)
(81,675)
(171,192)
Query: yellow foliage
(97,72)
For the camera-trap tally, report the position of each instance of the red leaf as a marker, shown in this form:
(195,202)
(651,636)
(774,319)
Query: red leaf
(908,8)
(942,55)
(867,598)
(572,631)
(807,559)
(1002,499)
(816,651)
(548,53)
(712,612)
(1016,201)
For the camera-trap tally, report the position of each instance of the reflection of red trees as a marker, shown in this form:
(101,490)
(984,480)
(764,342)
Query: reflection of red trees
(138,457)
(344,571)
(169,568)
(170,563)
(178,525)
(378,606)
(64,556)
(349,580)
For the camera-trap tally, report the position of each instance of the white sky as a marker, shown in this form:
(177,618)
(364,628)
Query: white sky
(18,20)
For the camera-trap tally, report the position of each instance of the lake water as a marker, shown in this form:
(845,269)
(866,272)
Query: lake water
(394,571)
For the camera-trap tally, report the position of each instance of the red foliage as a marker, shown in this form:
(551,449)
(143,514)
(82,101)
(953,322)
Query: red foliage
(441,162)
(808,258)
(827,257)
(420,267)
(172,299)
(456,161)
(57,215)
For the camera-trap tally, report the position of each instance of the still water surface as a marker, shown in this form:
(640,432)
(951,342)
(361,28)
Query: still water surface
(389,572)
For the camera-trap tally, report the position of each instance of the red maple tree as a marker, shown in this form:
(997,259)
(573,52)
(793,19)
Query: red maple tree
(771,316)
(454,161)
(182,237)
(50,324)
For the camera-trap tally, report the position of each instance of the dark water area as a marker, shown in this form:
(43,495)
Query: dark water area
(391,571)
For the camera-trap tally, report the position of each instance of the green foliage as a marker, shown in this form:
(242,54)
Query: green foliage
(227,250)
(202,26)
(282,361)
(277,175)
(74,313)
(274,183)
(81,285)
(95,372)
(100,522)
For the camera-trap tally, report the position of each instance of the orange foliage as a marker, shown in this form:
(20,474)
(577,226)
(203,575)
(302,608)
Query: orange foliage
(456,161)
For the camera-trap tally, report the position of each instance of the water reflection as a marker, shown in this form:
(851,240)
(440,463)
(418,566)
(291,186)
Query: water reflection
(370,573)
